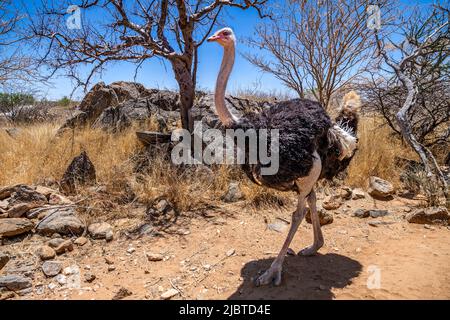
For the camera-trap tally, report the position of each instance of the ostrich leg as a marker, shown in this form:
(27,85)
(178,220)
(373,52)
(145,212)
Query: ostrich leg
(274,272)
(305,187)
(318,237)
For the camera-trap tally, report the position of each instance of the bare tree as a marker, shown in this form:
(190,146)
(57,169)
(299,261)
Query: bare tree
(116,30)
(418,60)
(315,46)
(15,66)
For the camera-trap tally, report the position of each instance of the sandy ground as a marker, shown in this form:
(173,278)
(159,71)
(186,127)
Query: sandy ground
(218,256)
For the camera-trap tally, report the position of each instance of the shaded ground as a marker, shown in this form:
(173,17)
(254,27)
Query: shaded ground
(217,258)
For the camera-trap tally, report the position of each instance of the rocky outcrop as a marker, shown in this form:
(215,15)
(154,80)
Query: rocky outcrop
(433,215)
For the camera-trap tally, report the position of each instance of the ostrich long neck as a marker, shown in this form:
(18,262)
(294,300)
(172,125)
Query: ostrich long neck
(224,114)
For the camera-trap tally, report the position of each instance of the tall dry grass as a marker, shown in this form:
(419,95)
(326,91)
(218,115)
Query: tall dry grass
(377,150)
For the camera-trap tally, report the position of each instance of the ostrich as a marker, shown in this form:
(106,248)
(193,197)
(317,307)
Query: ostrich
(311,147)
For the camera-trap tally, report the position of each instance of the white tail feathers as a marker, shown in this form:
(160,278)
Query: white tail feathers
(345,139)
(351,102)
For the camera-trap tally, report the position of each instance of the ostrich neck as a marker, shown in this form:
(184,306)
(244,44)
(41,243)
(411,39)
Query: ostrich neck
(224,114)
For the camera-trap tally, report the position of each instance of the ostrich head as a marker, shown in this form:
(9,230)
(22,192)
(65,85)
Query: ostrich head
(225,37)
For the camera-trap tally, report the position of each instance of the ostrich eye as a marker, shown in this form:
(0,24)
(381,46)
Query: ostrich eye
(226,33)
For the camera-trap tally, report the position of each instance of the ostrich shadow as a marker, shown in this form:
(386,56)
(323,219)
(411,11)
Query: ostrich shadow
(303,278)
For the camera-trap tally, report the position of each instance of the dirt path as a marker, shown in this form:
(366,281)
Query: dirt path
(220,255)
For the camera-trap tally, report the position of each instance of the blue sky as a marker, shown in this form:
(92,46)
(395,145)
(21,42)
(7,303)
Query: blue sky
(156,73)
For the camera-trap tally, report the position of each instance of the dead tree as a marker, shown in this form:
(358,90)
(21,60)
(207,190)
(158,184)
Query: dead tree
(427,40)
(116,30)
(315,47)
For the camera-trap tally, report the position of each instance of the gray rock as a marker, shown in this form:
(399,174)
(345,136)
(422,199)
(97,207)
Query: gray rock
(361,213)
(378,213)
(4,258)
(169,294)
(122,293)
(379,188)
(81,171)
(432,215)
(10,227)
(56,242)
(20,209)
(51,268)
(15,282)
(100,230)
(233,193)
(89,277)
(62,221)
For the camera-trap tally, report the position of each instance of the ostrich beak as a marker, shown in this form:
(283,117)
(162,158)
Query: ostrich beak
(214,38)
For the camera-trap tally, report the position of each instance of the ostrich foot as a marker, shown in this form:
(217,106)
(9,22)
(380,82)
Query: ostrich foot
(310,251)
(273,274)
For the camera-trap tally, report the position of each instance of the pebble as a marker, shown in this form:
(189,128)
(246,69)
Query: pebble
(45,253)
(81,241)
(131,250)
(111,267)
(230,252)
(154,256)
(169,294)
(51,268)
(89,277)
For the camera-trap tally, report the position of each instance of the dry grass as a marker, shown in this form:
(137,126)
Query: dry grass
(377,149)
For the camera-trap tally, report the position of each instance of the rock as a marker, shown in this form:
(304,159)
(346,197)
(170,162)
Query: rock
(331,203)
(379,223)
(361,213)
(89,277)
(7,295)
(278,226)
(20,209)
(65,246)
(15,282)
(113,119)
(432,215)
(154,256)
(4,204)
(122,293)
(55,242)
(169,294)
(230,252)
(51,268)
(62,221)
(324,217)
(379,188)
(45,191)
(233,193)
(131,250)
(10,227)
(45,253)
(4,258)
(58,199)
(111,267)
(162,206)
(378,213)
(61,279)
(81,241)
(26,194)
(81,171)
(345,193)
(358,193)
(100,230)
(109,260)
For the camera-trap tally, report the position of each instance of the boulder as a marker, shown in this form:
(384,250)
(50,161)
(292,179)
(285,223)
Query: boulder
(101,230)
(112,119)
(52,268)
(10,227)
(432,215)
(15,282)
(81,171)
(379,188)
(26,194)
(62,221)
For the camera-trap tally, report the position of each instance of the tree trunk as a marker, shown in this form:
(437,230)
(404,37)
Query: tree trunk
(187,92)
(425,155)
